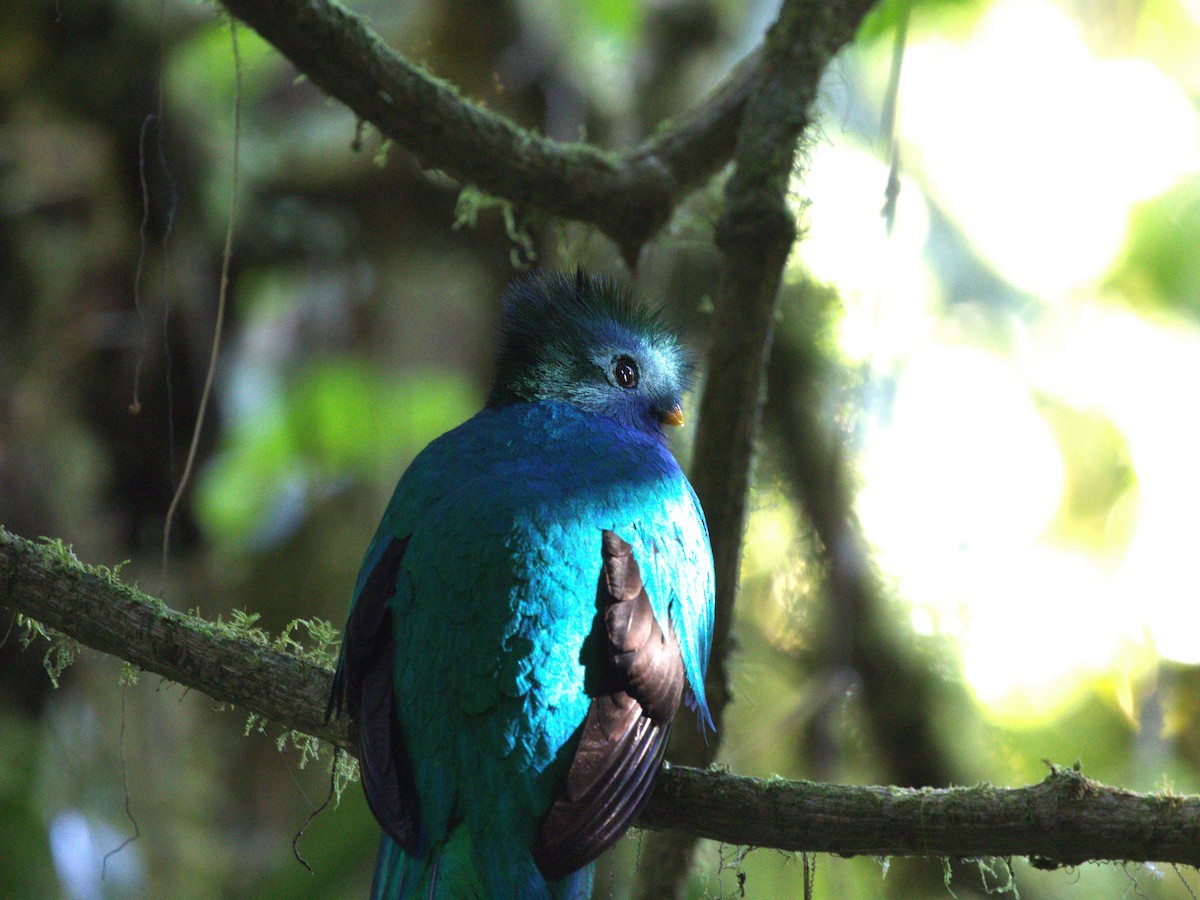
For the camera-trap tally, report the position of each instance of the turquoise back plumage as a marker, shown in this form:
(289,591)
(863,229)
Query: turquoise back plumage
(491,553)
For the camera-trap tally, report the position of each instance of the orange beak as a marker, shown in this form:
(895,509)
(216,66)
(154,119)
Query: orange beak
(673,416)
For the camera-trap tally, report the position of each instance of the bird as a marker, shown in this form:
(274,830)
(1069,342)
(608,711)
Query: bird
(534,606)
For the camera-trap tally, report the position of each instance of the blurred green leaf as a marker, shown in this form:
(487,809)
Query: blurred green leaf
(341,418)
(1161,263)
(883,20)
(22,827)
(201,77)
(1099,505)
(617,19)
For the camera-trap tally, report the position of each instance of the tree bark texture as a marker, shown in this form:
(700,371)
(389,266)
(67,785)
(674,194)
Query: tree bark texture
(1064,820)
(628,195)
(755,235)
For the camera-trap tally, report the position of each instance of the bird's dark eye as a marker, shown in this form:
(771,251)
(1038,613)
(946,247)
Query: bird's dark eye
(625,371)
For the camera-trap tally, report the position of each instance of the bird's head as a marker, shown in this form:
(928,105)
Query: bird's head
(583,340)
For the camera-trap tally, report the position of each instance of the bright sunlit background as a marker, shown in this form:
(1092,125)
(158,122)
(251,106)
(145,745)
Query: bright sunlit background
(1026,321)
(1031,480)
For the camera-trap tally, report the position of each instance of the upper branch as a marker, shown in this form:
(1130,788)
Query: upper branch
(628,195)
(1065,820)
(755,235)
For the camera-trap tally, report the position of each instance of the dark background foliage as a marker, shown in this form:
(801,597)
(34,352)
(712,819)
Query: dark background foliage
(360,324)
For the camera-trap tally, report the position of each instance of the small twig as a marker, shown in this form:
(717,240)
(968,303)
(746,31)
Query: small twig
(137,830)
(888,119)
(316,812)
(1187,887)
(222,297)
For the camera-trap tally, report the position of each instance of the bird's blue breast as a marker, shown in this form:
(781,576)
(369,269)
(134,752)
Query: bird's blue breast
(496,596)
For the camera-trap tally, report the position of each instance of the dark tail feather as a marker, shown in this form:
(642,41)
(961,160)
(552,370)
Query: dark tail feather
(445,872)
(390,865)
(576,886)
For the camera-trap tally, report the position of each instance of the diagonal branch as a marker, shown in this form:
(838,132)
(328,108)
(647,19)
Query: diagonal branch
(755,234)
(1064,820)
(629,195)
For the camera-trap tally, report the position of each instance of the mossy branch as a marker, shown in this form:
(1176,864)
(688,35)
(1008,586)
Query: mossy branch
(1065,820)
(755,235)
(628,195)
(92,606)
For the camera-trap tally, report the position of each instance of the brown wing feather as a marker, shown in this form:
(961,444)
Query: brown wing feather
(622,740)
(363,685)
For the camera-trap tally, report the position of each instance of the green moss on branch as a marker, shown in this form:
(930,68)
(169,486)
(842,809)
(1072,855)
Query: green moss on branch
(1064,820)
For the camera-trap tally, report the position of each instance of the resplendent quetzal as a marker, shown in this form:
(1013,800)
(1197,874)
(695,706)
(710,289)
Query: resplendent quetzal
(536,602)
